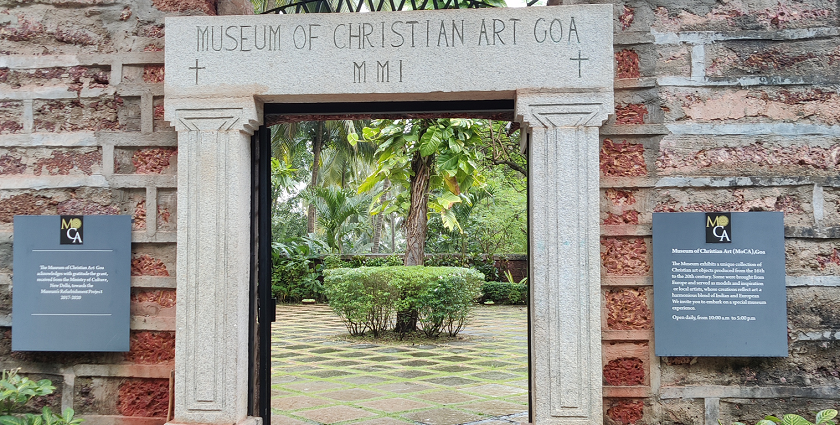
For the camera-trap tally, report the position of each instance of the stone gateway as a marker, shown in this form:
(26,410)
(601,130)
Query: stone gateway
(221,71)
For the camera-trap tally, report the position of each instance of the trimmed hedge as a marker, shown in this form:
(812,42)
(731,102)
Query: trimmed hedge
(504,292)
(367,298)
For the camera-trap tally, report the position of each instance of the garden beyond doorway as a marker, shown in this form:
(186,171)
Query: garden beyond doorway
(321,375)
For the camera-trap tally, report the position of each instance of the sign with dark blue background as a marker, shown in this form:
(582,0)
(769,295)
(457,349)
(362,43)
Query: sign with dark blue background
(719,284)
(72,283)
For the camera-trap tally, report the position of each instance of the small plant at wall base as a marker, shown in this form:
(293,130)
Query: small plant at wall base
(823,417)
(15,393)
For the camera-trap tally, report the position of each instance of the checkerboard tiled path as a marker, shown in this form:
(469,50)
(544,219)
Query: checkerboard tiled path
(319,378)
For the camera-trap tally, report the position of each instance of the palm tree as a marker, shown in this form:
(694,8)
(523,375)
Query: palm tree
(336,207)
(289,137)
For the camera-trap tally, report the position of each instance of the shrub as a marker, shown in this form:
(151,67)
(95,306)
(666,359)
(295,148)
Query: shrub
(504,292)
(296,278)
(366,298)
(823,417)
(16,391)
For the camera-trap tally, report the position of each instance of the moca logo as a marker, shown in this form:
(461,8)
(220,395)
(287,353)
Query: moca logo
(71,230)
(718,228)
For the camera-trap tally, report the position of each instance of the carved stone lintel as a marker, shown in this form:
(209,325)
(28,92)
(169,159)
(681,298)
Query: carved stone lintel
(211,353)
(563,179)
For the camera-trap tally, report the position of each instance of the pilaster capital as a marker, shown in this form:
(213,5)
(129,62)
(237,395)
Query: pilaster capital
(214,114)
(544,109)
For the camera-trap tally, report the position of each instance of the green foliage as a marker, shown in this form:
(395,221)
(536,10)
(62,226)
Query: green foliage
(823,417)
(366,298)
(456,162)
(445,305)
(484,264)
(504,292)
(334,208)
(295,274)
(47,417)
(494,221)
(18,390)
(334,261)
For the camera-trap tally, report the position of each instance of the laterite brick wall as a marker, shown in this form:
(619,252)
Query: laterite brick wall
(81,132)
(728,105)
(722,106)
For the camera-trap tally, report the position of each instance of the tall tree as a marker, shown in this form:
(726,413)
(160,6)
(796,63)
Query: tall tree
(321,134)
(435,160)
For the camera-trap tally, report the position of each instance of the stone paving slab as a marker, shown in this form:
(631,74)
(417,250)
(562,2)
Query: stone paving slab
(297,402)
(321,376)
(442,416)
(353,394)
(381,421)
(393,405)
(331,415)
(494,407)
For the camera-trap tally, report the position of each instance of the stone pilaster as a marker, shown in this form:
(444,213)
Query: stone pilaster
(563,180)
(214,191)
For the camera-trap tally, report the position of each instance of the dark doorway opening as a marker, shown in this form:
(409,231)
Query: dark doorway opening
(263,306)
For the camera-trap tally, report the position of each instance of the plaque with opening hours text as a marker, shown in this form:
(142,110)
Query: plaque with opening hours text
(719,284)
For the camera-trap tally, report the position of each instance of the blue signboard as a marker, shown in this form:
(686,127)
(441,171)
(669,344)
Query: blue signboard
(719,284)
(72,283)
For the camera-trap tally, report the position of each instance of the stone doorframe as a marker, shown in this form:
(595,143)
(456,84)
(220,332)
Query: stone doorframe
(559,107)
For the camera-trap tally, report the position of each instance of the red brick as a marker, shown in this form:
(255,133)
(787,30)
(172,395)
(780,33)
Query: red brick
(81,37)
(622,159)
(146,265)
(78,206)
(76,115)
(626,412)
(627,309)
(750,105)
(144,397)
(207,7)
(698,16)
(633,113)
(25,30)
(138,221)
(625,371)
(163,216)
(755,156)
(152,161)
(621,197)
(627,217)
(625,256)
(153,73)
(158,111)
(163,297)
(11,113)
(25,204)
(11,165)
(147,347)
(62,162)
(743,200)
(152,31)
(627,64)
(626,18)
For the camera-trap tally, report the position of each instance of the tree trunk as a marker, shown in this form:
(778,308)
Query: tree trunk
(317,144)
(393,233)
(415,228)
(380,219)
(417,223)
